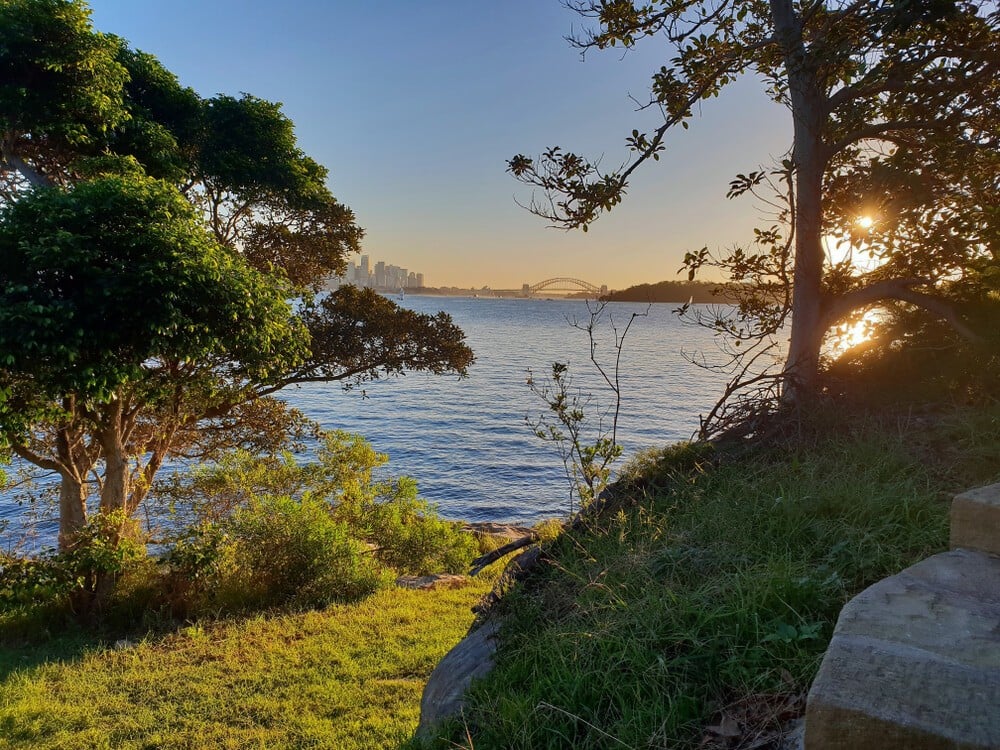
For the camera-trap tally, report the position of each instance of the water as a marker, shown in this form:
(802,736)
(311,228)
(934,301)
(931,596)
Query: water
(466,441)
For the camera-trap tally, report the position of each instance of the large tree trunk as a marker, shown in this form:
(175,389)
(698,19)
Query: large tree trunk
(117,473)
(73,468)
(114,494)
(808,155)
(91,600)
(802,364)
(72,509)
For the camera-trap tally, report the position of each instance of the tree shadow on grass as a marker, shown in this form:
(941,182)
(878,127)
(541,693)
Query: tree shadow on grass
(36,636)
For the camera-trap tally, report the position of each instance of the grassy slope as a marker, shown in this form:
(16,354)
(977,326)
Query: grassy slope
(347,677)
(715,595)
(710,596)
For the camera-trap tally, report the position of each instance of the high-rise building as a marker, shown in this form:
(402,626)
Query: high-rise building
(384,277)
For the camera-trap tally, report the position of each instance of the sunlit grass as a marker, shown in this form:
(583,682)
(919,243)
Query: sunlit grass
(721,586)
(346,677)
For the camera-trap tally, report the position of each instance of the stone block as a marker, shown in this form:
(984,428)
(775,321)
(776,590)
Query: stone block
(914,663)
(975,519)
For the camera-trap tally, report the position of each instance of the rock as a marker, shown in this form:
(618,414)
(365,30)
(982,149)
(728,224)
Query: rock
(793,736)
(444,694)
(524,562)
(914,662)
(502,531)
(429,583)
(975,520)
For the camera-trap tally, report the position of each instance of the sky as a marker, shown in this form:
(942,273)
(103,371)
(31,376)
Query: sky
(415,107)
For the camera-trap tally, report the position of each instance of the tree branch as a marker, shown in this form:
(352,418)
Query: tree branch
(878,131)
(22,451)
(902,290)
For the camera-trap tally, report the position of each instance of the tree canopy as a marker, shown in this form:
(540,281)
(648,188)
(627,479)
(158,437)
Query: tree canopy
(152,244)
(894,111)
(102,277)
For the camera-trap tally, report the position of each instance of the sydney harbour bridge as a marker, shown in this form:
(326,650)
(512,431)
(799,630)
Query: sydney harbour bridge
(560,284)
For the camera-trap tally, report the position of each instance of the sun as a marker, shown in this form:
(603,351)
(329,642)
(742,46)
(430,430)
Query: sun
(865,222)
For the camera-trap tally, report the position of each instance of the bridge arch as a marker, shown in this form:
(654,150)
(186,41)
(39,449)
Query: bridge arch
(565,283)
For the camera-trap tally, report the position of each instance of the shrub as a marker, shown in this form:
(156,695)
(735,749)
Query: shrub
(74,580)
(278,531)
(107,545)
(291,551)
(33,580)
(407,532)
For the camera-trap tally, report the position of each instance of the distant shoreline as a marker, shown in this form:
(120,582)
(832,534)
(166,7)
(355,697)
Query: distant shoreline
(665,292)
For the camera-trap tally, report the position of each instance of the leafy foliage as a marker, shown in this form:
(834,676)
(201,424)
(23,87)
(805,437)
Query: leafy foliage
(293,552)
(128,250)
(60,578)
(893,107)
(60,84)
(144,319)
(277,531)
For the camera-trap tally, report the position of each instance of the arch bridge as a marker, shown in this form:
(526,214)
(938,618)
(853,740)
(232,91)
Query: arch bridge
(565,284)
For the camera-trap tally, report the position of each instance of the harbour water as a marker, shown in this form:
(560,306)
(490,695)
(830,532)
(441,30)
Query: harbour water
(466,441)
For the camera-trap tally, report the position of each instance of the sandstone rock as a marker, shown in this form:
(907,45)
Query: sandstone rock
(445,692)
(914,662)
(428,583)
(502,531)
(975,519)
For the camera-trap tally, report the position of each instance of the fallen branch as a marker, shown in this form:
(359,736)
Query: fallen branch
(491,557)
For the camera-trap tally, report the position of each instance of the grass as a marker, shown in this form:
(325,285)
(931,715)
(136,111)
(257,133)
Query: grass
(712,598)
(707,600)
(347,677)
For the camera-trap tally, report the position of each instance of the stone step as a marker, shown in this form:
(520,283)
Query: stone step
(914,662)
(975,520)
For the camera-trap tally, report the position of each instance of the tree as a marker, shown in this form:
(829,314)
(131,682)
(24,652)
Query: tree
(112,290)
(887,100)
(151,245)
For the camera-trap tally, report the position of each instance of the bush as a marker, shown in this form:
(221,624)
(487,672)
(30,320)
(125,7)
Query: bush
(106,546)
(292,552)
(74,581)
(407,532)
(33,580)
(387,514)
(277,531)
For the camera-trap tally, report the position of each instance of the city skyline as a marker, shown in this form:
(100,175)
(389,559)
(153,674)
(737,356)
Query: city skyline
(415,109)
(381,276)
(387,277)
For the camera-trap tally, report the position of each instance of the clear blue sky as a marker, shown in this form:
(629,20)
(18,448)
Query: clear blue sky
(415,106)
